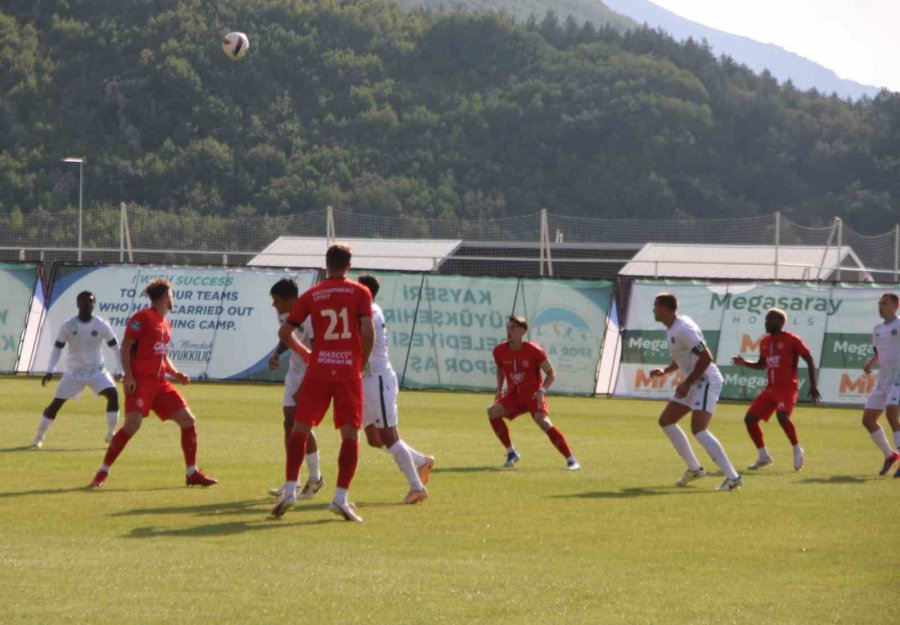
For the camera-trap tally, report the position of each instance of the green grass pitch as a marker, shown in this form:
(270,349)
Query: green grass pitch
(613,543)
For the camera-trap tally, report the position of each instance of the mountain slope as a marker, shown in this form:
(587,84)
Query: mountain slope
(782,64)
(582,10)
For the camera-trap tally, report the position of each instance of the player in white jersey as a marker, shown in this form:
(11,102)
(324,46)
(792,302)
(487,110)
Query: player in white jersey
(380,407)
(284,295)
(885,396)
(84,335)
(697,393)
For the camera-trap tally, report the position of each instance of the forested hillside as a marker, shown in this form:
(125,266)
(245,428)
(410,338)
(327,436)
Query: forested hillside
(364,106)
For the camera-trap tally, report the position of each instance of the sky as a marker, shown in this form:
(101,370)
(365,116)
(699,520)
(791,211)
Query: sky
(857,39)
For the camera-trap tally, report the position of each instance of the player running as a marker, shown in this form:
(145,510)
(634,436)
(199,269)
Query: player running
(779,352)
(145,362)
(885,396)
(284,295)
(380,407)
(341,312)
(523,365)
(696,394)
(84,334)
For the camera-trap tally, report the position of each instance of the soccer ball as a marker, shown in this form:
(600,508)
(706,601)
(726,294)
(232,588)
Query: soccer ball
(235,45)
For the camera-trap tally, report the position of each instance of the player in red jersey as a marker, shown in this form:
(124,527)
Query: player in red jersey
(341,312)
(779,352)
(145,363)
(522,364)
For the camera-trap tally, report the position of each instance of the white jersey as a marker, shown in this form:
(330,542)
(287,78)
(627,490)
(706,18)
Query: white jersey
(84,342)
(304,334)
(886,339)
(686,344)
(379,362)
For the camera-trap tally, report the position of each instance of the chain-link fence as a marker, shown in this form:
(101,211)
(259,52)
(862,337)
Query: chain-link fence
(527,245)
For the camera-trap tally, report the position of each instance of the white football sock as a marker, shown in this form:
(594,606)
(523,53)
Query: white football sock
(511,450)
(682,445)
(112,418)
(312,461)
(192,469)
(104,468)
(764,453)
(882,441)
(405,464)
(419,459)
(340,495)
(290,489)
(717,453)
(42,427)
(897,439)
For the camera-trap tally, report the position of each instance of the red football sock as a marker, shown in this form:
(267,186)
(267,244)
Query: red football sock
(501,431)
(296,450)
(347,460)
(790,430)
(559,441)
(756,434)
(189,445)
(116,445)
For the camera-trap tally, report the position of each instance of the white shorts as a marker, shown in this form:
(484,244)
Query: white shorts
(380,400)
(704,395)
(883,395)
(70,386)
(292,384)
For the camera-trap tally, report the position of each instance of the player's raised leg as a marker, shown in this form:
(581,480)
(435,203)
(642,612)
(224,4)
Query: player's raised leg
(130,427)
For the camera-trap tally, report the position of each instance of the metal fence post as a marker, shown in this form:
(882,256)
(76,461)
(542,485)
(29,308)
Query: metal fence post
(896,252)
(777,240)
(839,224)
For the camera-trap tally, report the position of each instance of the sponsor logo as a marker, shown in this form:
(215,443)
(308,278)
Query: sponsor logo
(135,326)
(568,340)
(750,345)
(758,304)
(642,379)
(94,333)
(859,385)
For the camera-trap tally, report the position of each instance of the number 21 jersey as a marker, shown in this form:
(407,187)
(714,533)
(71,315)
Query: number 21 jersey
(335,307)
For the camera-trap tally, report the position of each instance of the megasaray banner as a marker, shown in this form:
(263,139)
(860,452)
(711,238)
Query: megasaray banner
(223,323)
(836,321)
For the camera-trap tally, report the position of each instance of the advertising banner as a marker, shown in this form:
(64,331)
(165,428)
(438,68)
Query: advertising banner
(17,287)
(835,321)
(223,323)
(442,329)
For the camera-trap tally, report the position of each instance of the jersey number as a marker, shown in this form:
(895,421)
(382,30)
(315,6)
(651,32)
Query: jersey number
(333,315)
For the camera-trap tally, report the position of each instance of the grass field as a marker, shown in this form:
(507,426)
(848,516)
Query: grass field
(613,543)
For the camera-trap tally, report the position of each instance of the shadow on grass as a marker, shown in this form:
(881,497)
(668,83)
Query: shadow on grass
(230,528)
(841,479)
(45,450)
(631,493)
(481,469)
(217,509)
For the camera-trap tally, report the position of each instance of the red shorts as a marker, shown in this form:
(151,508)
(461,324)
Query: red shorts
(156,395)
(774,400)
(519,403)
(314,397)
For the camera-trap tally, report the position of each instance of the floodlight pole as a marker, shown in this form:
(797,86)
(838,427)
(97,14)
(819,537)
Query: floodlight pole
(80,162)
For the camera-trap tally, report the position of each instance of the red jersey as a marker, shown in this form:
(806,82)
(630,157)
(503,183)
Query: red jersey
(152,333)
(782,352)
(521,368)
(335,306)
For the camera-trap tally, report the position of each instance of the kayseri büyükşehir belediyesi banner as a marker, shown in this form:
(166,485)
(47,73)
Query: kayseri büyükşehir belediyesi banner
(442,329)
(835,321)
(223,323)
(17,284)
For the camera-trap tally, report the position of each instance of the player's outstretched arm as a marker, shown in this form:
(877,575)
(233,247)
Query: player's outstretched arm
(740,362)
(814,395)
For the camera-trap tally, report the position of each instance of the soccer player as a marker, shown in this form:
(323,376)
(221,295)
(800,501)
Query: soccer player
(84,334)
(885,396)
(696,394)
(145,362)
(284,295)
(341,312)
(779,352)
(523,364)
(380,407)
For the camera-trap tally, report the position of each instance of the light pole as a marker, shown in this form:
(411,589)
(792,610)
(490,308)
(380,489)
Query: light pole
(80,162)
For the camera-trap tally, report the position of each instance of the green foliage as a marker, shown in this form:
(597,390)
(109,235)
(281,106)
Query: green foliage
(368,107)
